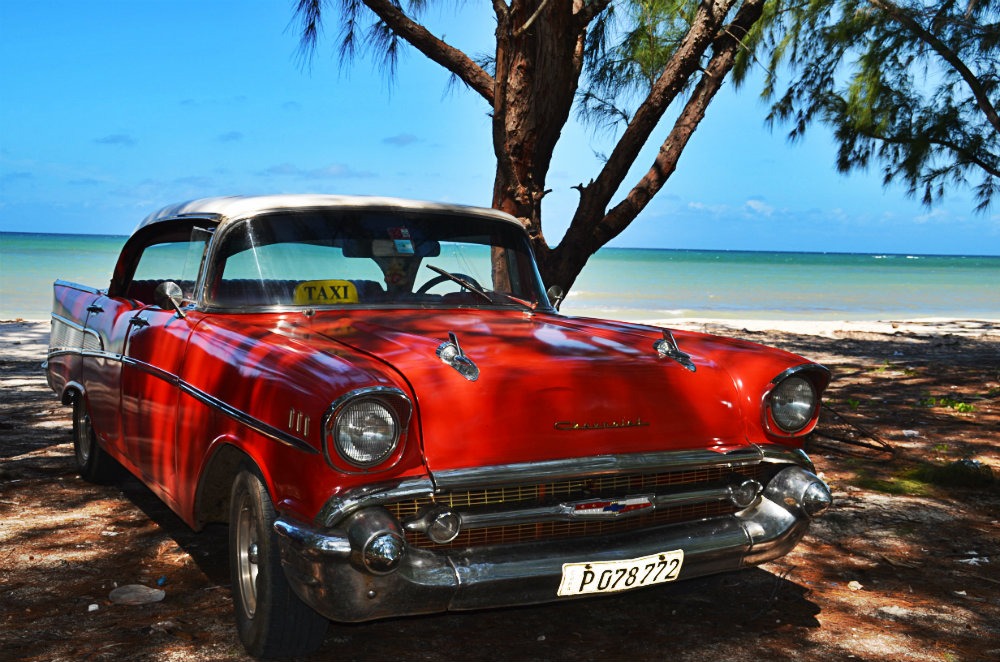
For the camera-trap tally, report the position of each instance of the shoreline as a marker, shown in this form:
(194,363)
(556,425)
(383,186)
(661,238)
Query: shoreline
(811,327)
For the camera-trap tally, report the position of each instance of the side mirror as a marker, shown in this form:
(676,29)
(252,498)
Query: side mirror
(556,295)
(168,296)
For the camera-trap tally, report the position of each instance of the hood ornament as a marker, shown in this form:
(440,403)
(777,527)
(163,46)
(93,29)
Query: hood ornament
(667,348)
(450,353)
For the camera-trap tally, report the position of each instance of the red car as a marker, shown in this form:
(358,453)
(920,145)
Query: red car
(381,400)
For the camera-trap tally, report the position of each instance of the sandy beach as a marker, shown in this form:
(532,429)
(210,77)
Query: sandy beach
(903,568)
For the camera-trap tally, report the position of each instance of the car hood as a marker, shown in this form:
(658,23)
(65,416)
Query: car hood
(552,387)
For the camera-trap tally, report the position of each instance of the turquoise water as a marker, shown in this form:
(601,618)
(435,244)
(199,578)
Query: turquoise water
(633,284)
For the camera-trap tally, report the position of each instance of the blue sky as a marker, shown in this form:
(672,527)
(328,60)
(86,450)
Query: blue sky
(111,109)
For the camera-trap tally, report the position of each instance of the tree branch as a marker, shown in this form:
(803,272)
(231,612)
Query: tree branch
(435,49)
(531,19)
(501,10)
(672,80)
(940,142)
(948,55)
(721,63)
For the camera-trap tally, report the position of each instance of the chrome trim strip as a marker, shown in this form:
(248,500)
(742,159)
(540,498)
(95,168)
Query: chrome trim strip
(553,470)
(785,455)
(805,367)
(77,286)
(238,415)
(313,543)
(339,507)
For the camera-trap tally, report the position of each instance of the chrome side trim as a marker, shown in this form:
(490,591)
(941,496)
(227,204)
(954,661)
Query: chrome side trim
(223,407)
(268,430)
(552,470)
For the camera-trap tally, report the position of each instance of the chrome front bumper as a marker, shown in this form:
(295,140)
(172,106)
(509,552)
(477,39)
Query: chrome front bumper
(328,571)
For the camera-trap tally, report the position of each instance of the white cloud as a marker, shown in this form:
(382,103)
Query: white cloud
(758,206)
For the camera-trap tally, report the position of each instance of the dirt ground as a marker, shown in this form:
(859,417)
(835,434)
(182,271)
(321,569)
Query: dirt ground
(903,568)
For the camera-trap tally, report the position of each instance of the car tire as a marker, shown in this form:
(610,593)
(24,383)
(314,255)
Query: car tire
(272,620)
(92,461)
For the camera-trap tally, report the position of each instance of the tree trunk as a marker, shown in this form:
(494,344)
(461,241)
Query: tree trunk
(538,62)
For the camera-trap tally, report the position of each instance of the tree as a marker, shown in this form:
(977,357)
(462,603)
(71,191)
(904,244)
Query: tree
(909,84)
(633,61)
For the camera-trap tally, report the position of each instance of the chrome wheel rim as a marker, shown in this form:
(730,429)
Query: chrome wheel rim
(247,556)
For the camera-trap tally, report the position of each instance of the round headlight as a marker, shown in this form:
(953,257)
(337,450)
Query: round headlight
(793,404)
(366,432)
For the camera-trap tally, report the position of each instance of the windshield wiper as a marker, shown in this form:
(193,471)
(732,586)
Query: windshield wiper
(461,281)
(473,288)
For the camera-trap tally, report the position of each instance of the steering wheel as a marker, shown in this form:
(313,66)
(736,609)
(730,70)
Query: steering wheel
(437,280)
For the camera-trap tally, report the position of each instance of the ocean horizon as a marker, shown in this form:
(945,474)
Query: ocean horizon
(629,283)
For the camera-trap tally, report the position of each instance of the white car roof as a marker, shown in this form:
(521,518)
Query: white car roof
(231,208)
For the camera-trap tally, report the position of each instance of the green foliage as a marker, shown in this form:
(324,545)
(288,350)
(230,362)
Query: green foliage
(912,86)
(949,402)
(907,483)
(963,473)
(626,50)
(921,480)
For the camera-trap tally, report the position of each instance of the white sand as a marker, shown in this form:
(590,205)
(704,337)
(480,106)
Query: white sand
(833,328)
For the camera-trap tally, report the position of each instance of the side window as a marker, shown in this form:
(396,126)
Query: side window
(179,261)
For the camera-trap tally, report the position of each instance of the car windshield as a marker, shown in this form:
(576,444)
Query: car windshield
(316,259)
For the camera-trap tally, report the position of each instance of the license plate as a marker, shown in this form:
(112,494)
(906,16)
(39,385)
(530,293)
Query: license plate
(613,576)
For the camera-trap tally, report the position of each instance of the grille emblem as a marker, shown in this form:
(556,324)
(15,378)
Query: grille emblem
(610,508)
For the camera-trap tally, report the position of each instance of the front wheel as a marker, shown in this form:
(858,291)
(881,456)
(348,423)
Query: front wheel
(272,620)
(92,461)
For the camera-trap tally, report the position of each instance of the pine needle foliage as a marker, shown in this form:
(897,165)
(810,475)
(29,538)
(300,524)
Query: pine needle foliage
(909,86)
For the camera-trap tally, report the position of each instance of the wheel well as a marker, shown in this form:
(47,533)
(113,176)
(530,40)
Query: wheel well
(212,502)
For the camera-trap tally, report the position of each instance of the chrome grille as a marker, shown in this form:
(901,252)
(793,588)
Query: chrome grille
(610,486)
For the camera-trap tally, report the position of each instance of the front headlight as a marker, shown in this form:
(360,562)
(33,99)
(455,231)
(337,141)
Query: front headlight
(365,433)
(364,428)
(792,404)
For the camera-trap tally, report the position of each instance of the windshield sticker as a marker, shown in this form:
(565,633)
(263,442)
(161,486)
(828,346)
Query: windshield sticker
(401,238)
(319,292)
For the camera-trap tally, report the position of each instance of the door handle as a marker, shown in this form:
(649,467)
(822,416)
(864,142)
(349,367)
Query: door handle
(94,308)
(138,321)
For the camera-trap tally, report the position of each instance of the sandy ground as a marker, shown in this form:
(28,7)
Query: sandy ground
(903,568)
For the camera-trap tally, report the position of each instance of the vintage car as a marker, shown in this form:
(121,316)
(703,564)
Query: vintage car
(381,400)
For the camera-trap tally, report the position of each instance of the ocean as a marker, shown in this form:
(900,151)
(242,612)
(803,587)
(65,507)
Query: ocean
(629,284)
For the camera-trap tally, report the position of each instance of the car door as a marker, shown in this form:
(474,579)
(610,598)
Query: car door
(152,362)
(155,340)
(108,318)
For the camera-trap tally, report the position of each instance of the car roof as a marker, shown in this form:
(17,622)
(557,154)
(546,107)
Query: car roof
(232,208)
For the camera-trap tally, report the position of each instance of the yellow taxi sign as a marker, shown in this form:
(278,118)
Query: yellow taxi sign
(325,292)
